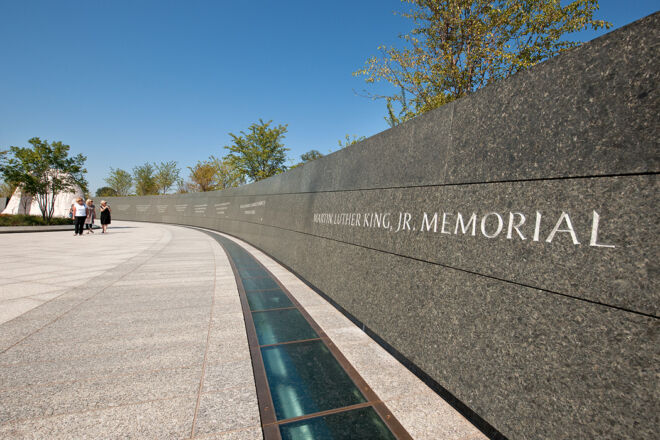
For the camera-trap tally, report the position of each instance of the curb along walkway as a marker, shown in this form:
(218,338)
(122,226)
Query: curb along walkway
(146,339)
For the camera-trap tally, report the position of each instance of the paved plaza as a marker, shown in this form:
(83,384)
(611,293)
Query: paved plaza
(139,333)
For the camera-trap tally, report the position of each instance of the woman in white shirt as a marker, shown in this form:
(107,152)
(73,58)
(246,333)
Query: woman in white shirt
(79,215)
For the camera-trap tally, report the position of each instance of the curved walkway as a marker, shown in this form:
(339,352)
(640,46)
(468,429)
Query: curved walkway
(139,334)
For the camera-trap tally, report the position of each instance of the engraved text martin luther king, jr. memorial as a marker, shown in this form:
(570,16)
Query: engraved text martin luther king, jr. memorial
(504,246)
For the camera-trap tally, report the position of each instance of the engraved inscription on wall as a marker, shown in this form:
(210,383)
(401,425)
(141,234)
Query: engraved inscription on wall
(221,208)
(512,225)
(249,208)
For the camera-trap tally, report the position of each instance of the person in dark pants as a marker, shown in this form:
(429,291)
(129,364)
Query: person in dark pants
(91,215)
(105,216)
(79,214)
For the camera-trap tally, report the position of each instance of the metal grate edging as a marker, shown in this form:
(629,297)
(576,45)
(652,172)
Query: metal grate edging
(270,424)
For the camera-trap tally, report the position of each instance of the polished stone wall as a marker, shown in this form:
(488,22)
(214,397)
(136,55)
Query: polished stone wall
(506,244)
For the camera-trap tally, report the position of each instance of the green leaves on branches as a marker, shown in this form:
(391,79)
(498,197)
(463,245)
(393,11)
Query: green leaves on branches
(167,174)
(144,177)
(43,170)
(120,181)
(259,153)
(459,46)
(106,191)
(156,178)
(213,174)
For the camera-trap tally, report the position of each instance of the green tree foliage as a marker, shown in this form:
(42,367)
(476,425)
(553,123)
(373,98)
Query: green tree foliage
(308,157)
(203,177)
(213,174)
(459,46)
(144,177)
(167,174)
(350,140)
(228,176)
(43,170)
(106,191)
(119,180)
(7,189)
(259,153)
(181,186)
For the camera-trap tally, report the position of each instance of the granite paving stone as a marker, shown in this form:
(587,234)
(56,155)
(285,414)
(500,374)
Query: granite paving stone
(166,312)
(225,303)
(428,417)
(19,289)
(67,397)
(120,352)
(144,302)
(345,336)
(329,317)
(62,276)
(124,355)
(219,376)
(162,419)
(107,332)
(128,293)
(139,281)
(227,321)
(254,433)
(226,410)
(26,271)
(16,307)
(307,297)
(30,374)
(386,376)
(228,350)
(25,352)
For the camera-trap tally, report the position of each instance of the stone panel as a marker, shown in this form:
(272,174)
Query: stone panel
(591,111)
(533,364)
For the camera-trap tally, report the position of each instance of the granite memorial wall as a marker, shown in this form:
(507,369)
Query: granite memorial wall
(504,245)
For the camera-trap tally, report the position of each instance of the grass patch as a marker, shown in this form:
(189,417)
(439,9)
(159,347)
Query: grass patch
(31,220)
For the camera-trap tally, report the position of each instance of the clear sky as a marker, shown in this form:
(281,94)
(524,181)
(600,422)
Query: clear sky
(129,82)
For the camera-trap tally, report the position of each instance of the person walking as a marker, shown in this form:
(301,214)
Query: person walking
(105,216)
(79,214)
(91,215)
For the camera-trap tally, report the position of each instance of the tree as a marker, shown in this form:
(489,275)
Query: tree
(228,176)
(350,140)
(7,189)
(145,180)
(213,174)
(182,186)
(203,177)
(259,153)
(43,171)
(106,191)
(459,46)
(308,157)
(120,180)
(167,174)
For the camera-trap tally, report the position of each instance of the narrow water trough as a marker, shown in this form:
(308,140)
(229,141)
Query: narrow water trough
(306,388)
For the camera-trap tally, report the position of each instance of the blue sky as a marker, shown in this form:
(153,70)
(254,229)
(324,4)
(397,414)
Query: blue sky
(128,82)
